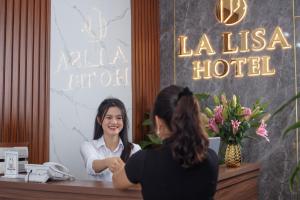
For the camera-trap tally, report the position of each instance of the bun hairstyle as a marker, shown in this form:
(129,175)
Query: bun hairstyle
(98,130)
(180,111)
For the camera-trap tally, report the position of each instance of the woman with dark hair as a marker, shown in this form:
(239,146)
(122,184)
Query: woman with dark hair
(110,145)
(183,167)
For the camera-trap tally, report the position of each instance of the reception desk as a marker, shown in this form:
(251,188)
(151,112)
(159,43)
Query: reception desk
(238,183)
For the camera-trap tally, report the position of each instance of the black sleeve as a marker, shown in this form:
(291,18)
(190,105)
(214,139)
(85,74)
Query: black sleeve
(214,166)
(134,167)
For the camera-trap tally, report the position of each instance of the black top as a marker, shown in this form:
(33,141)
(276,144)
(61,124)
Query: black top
(162,177)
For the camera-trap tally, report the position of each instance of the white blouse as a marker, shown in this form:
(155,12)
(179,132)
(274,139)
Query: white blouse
(97,150)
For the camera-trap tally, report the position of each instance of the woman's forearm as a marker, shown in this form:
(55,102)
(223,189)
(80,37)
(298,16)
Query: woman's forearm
(100,165)
(120,179)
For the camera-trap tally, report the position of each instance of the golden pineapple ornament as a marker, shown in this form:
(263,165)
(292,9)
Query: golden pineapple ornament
(233,155)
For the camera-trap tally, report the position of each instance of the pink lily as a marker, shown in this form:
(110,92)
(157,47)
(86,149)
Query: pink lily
(213,125)
(262,131)
(235,125)
(218,114)
(247,112)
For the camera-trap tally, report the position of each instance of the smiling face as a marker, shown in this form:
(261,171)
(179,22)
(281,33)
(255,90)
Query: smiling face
(112,122)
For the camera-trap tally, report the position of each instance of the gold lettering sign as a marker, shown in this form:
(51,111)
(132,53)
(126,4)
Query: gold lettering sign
(254,41)
(204,44)
(220,68)
(231,12)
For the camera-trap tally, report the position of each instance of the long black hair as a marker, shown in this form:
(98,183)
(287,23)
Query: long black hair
(180,111)
(98,130)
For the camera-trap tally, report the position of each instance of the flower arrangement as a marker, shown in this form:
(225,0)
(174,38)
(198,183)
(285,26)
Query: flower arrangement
(231,121)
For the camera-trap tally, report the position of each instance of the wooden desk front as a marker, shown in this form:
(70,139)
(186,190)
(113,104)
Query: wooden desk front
(239,183)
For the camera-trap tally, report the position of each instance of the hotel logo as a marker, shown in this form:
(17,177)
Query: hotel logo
(238,44)
(231,12)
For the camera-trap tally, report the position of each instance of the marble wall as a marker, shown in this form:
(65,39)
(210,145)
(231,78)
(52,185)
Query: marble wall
(90,61)
(193,18)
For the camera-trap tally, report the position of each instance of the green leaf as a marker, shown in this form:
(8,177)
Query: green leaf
(211,133)
(201,96)
(250,137)
(151,140)
(147,122)
(291,127)
(225,112)
(264,106)
(255,124)
(286,104)
(154,139)
(295,175)
(144,144)
(256,114)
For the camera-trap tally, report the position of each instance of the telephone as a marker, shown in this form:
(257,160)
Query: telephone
(48,170)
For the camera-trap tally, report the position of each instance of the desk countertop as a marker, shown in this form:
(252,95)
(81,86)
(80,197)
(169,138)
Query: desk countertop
(11,188)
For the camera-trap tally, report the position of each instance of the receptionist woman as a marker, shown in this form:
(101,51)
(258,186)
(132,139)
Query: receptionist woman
(110,145)
(183,167)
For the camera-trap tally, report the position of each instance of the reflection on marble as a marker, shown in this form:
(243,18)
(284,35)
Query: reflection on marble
(297,60)
(166,42)
(90,61)
(297,7)
(197,17)
(297,43)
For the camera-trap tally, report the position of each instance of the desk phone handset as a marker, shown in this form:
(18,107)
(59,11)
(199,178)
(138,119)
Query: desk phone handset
(48,170)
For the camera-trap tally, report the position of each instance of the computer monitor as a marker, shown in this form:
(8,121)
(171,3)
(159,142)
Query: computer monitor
(214,144)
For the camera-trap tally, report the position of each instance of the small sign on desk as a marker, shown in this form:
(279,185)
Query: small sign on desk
(11,164)
(22,157)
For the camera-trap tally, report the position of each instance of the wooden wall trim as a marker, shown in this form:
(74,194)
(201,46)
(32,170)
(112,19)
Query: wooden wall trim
(24,75)
(7,70)
(145,61)
(47,77)
(2,53)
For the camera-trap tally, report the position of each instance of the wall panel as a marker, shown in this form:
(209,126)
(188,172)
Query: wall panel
(145,60)
(2,50)
(24,88)
(7,71)
(15,71)
(29,70)
(22,80)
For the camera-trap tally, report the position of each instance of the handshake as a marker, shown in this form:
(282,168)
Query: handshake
(114,164)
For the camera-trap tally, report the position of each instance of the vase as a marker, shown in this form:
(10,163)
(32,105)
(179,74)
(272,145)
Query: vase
(233,155)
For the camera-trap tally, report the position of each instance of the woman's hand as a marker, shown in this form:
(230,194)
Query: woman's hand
(111,163)
(114,163)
